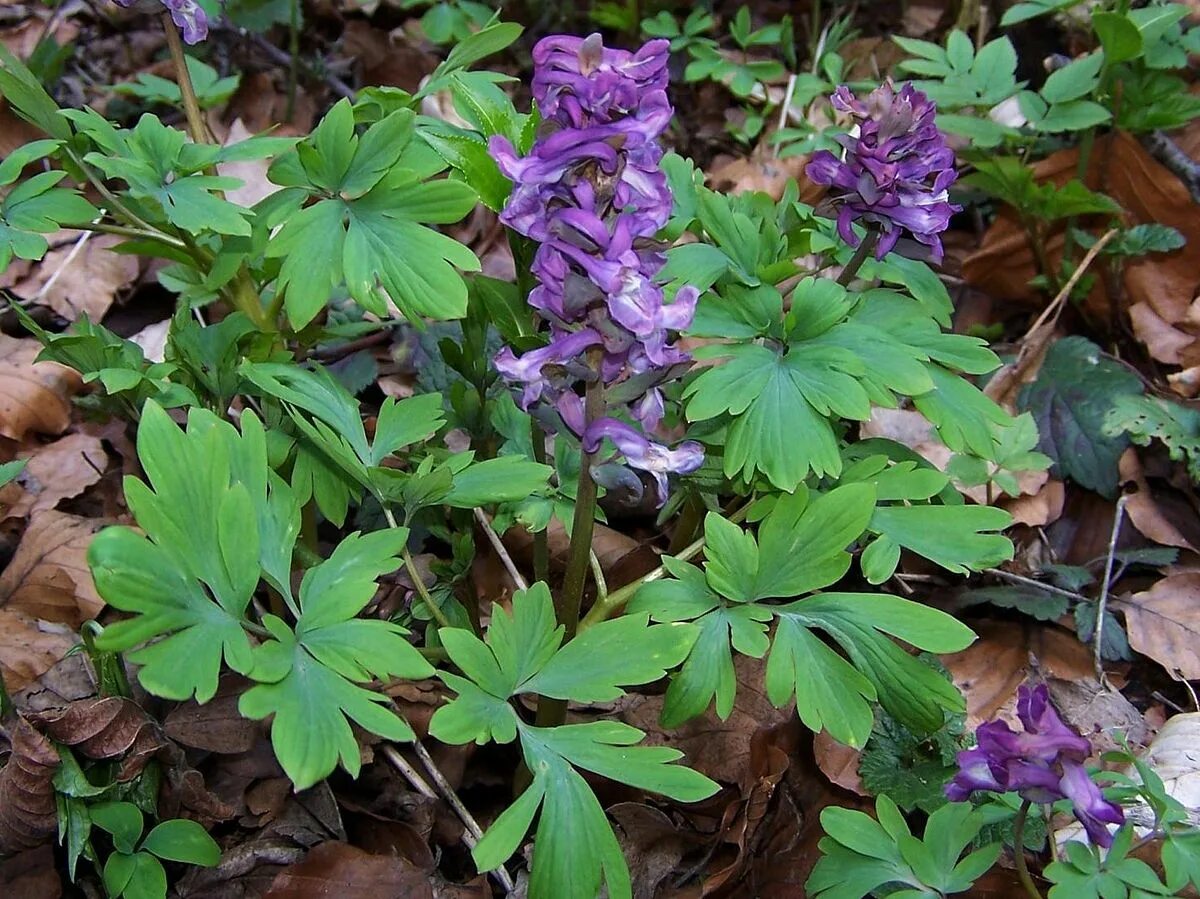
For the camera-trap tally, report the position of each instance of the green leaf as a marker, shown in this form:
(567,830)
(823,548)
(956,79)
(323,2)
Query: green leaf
(912,770)
(954,537)
(502,479)
(26,95)
(1070,400)
(1119,36)
(201,533)
(123,820)
(1039,604)
(308,679)
(405,422)
(182,840)
(1144,419)
(1073,81)
(146,877)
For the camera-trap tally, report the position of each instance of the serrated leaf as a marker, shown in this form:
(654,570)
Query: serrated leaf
(1074,391)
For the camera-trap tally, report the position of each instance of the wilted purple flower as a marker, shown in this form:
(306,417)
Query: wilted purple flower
(895,170)
(592,194)
(187,15)
(1043,764)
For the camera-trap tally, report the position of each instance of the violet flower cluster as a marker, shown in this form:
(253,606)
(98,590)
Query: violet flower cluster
(895,170)
(189,17)
(1043,764)
(592,194)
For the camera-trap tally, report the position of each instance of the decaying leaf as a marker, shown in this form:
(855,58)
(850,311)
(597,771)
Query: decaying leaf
(34,397)
(28,813)
(1142,507)
(338,869)
(58,471)
(29,647)
(105,728)
(1164,623)
(82,277)
(49,577)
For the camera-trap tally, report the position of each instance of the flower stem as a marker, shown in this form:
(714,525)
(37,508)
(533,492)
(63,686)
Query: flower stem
(541,539)
(410,566)
(552,712)
(191,106)
(859,257)
(1019,852)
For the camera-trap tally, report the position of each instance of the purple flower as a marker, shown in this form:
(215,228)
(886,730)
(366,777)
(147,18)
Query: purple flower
(187,15)
(1043,764)
(645,454)
(591,192)
(895,169)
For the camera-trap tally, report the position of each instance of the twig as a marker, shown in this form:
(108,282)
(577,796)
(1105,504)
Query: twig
(1098,630)
(783,109)
(471,833)
(501,551)
(1030,582)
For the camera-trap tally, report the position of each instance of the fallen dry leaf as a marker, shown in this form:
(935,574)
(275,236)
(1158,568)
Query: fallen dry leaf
(217,725)
(58,471)
(29,647)
(335,869)
(34,397)
(28,810)
(251,172)
(1142,507)
(1164,623)
(838,762)
(48,576)
(81,278)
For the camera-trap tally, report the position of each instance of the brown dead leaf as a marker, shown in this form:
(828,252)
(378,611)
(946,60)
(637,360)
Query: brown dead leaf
(48,576)
(1142,507)
(1166,283)
(32,874)
(251,172)
(762,171)
(29,647)
(385,58)
(23,39)
(81,278)
(58,471)
(1164,623)
(1042,508)
(14,130)
(216,726)
(28,811)
(652,845)
(338,870)
(105,728)
(838,762)
(34,397)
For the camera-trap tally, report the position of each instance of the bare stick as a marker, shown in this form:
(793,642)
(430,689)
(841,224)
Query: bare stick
(1030,582)
(498,546)
(472,832)
(1098,631)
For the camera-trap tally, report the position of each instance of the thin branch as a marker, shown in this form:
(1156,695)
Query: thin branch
(415,576)
(1175,160)
(501,551)
(1098,630)
(1030,582)
(471,833)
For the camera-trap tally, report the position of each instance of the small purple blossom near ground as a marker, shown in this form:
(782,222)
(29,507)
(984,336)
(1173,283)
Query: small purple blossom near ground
(1043,764)
(895,170)
(592,194)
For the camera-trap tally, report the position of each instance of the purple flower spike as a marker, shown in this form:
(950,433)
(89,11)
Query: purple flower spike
(187,15)
(1044,764)
(894,172)
(592,193)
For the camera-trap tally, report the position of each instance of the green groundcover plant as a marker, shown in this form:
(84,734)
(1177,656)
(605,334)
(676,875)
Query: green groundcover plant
(571,385)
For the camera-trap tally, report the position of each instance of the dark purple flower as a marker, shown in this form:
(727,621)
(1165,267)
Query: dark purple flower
(591,192)
(1043,764)
(895,169)
(187,15)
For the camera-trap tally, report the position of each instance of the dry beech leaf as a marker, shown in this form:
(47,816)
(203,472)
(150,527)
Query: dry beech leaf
(1164,623)
(105,728)
(1142,508)
(1042,508)
(29,647)
(48,576)
(335,869)
(217,725)
(86,279)
(251,172)
(839,763)
(28,811)
(58,471)
(34,397)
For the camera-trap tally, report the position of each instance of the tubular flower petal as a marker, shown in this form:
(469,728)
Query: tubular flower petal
(895,169)
(1043,764)
(188,16)
(592,194)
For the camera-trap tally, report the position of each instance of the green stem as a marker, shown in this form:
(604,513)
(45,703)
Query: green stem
(604,609)
(114,202)
(541,539)
(141,233)
(552,712)
(191,106)
(415,576)
(859,257)
(6,704)
(1019,852)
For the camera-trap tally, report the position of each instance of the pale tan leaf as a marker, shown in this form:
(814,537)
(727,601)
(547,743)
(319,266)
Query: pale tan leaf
(1164,623)
(58,471)
(80,278)
(1143,509)
(34,397)
(29,647)
(48,576)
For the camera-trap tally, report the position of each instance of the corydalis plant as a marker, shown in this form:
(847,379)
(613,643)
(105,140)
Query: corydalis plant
(591,193)
(1044,764)
(895,170)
